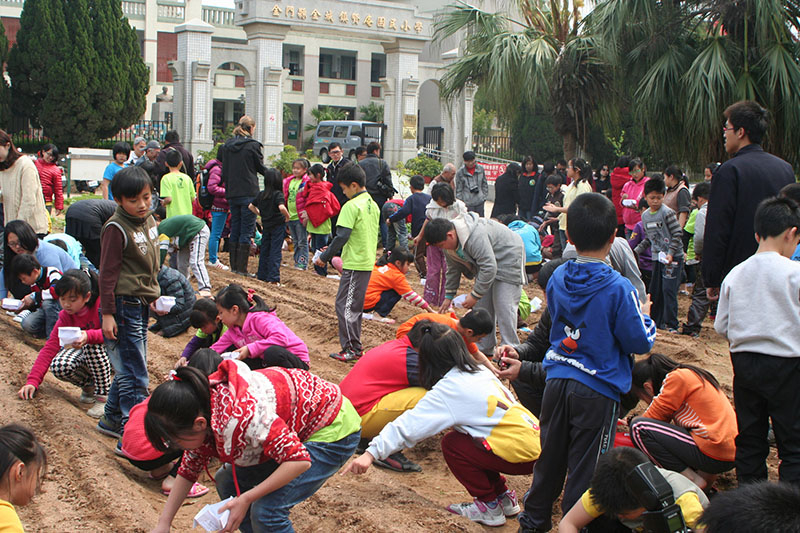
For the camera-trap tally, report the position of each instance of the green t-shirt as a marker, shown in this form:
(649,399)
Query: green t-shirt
(322,229)
(185,227)
(180,188)
(291,201)
(346,423)
(689,228)
(361,215)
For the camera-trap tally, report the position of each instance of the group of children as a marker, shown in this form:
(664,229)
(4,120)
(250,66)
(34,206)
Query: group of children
(280,431)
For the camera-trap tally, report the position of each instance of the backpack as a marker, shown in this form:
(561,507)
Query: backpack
(204,197)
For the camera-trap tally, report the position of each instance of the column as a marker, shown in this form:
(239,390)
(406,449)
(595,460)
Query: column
(151,48)
(363,81)
(192,85)
(400,99)
(310,85)
(267,107)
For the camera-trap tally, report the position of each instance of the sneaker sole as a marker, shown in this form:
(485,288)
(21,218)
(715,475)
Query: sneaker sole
(108,432)
(500,521)
(514,511)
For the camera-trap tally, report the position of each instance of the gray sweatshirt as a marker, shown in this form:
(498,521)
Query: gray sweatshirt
(466,183)
(662,233)
(487,251)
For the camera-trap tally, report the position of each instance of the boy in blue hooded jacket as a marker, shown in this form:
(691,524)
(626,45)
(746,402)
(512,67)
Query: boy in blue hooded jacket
(597,324)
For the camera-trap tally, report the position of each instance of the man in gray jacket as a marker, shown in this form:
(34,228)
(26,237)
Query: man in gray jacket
(494,256)
(471,185)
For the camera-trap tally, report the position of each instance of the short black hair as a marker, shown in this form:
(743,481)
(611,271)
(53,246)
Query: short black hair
(443,192)
(351,174)
(562,162)
(373,147)
(761,507)
(204,311)
(592,221)
(609,487)
(172,137)
(791,191)
(654,185)
(622,161)
(416,182)
(436,230)
(160,212)
(173,158)
(776,215)
(24,264)
(205,360)
(469,155)
(750,116)
(129,182)
(507,218)
(480,321)
(633,163)
(547,270)
(674,171)
(441,349)
(548,167)
(120,148)
(359,150)
(60,243)
(79,282)
(701,190)
(553,179)
(643,203)
(333,145)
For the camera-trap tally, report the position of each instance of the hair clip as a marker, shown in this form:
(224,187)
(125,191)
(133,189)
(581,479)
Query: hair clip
(173,375)
(250,293)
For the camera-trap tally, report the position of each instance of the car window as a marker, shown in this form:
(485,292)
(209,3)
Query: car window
(340,132)
(325,131)
(355,130)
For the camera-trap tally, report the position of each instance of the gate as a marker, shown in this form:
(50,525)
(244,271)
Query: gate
(432,140)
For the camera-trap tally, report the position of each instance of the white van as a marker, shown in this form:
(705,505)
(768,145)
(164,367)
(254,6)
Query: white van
(349,133)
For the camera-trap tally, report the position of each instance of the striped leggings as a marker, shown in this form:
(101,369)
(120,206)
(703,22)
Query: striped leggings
(84,367)
(673,447)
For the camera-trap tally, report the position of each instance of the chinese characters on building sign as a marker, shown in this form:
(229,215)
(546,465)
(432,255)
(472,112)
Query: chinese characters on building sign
(354,19)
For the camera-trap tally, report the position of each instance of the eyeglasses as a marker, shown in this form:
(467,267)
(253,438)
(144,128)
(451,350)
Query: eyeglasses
(334,152)
(724,129)
(14,244)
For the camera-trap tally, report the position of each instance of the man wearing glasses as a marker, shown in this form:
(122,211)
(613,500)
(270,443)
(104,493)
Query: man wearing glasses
(337,163)
(749,176)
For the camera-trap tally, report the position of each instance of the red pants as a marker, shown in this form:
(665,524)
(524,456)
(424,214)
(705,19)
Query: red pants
(478,469)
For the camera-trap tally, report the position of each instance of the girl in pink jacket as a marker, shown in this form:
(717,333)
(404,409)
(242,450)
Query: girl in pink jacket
(83,362)
(256,330)
(296,204)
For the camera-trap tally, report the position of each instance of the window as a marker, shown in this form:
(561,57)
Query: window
(378,68)
(348,70)
(340,132)
(355,130)
(325,131)
(293,59)
(337,64)
(325,65)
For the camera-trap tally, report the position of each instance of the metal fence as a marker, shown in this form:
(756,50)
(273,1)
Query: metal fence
(31,139)
(495,146)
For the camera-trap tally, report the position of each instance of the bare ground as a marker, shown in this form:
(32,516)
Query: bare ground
(88,488)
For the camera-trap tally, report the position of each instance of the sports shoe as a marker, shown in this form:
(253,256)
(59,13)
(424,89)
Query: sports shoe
(346,356)
(108,429)
(98,409)
(398,462)
(488,514)
(87,394)
(672,330)
(22,315)
(509,503)
(118,449)
(218,265)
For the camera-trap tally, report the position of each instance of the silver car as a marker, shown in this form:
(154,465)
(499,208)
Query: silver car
(349,133)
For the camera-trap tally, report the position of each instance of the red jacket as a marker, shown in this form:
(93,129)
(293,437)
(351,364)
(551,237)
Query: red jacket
(619,177)
(319,202)
(50,176)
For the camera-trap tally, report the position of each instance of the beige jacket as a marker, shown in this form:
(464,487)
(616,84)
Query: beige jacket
(22,195)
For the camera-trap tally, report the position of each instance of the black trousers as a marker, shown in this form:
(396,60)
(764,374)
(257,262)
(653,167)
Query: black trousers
(700,303)
(386,302)
(276,356)
(577,425)
(766,387)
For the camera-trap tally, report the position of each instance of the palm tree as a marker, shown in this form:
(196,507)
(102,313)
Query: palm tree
(685,61)
(372,112)
(545,57)
(325,113)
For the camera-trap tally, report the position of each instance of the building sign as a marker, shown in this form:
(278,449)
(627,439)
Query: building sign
(493,170)
(409,127)
(364,18)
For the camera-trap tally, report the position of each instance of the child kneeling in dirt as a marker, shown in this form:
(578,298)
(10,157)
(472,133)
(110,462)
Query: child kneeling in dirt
(471,400)
(388,284)
(84,362)
(272,461)
(209,329)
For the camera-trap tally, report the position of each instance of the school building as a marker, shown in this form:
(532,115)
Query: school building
(277,60)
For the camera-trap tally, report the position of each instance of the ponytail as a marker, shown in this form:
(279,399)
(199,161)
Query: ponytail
(440,349)
(245,126)
(395,255)
(246,301)
(656,367)
(174,406)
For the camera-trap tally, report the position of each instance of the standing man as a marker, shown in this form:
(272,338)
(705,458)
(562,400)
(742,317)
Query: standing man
(471,185)
(379,183)
(173,140)
(749,176)
(331,171)
(139,144)
(447,175)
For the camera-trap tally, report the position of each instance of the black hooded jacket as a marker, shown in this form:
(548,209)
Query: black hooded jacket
(242,159)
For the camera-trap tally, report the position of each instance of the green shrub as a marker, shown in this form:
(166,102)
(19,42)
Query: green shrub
(422,165)
(284,159)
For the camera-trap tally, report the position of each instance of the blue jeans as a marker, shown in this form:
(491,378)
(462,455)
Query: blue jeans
(396,231)
(243,221)
(271,513)
(319,241)
(218,219)
(300,240)
(40,322)
(128,355)
(269,259)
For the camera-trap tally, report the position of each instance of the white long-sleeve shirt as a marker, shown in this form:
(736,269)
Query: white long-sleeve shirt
(759,306)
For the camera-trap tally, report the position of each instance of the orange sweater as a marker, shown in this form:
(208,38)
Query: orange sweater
(389,278)
(690,402)
(448,320)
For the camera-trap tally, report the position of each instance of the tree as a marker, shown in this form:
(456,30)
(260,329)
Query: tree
(685,61)
(5,109)
(76,70)
(542,60)
(325,113)
(372,112)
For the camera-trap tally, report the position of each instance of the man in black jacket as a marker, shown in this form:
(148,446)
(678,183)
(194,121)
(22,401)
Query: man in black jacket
(173,140)
(338,161)
(738,186)
(379,182)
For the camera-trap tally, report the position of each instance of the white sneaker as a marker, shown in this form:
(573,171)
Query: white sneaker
(509,503)
(22,315)
(97,410)
(480,512)
(218,265)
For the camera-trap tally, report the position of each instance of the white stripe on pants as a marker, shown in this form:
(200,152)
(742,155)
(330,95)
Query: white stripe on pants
(197,259)
(350,307)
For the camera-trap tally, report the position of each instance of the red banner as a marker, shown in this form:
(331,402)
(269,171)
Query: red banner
(493,170)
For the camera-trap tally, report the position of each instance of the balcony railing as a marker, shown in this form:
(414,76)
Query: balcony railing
(218,16)
(171,11)
(133,9)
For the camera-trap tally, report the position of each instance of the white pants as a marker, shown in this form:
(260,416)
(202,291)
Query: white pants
(502,302)
(194,257)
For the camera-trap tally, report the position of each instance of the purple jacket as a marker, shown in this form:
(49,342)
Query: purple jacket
(260,331)
(215,187)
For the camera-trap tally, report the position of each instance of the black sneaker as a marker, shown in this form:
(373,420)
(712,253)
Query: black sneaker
(399,463)
(346,356)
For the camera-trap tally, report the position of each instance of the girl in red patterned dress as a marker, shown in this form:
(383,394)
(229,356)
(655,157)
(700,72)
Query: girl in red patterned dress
(281,433)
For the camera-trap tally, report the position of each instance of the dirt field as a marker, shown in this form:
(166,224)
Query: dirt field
(88,488)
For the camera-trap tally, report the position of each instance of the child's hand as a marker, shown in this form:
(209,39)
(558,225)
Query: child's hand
(244,353)
(509,368)
(550,207)
(319,262)
(27,303)
(80,343)
(712,293)
(109,327)
(181,362)
(668,259)
(26,392)
(238,508)
(360,465)
(445,305)
(469,301)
